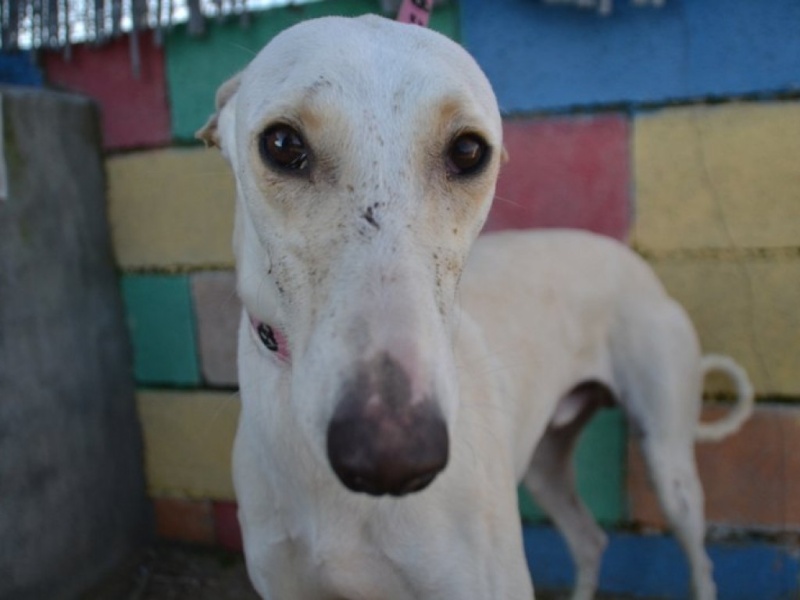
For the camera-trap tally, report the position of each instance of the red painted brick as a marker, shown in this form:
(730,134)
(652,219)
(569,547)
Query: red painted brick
(750,479)
(565,172)
(226,524)
(135,111)
(189,521)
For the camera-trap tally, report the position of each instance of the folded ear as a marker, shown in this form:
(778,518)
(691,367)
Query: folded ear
(208,132)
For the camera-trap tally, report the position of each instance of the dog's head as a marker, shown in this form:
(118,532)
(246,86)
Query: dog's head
(365,154)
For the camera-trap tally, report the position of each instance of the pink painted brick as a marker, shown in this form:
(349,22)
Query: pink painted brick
(565,172)
(180,520)
(135,111)
(226,524)
(750,478)
(217,310)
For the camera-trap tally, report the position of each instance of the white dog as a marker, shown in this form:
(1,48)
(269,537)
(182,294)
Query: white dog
(391,397)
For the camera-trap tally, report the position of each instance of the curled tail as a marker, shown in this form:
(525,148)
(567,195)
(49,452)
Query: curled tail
(743,407)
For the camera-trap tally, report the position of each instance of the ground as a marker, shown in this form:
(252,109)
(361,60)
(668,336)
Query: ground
(178,572)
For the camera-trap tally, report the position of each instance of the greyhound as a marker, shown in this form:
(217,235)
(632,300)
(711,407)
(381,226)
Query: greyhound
(394,392)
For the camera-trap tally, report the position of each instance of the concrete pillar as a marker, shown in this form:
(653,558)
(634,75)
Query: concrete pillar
(72,491)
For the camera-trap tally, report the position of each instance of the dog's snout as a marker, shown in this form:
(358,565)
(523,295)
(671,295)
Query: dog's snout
(378,452)
(379,441)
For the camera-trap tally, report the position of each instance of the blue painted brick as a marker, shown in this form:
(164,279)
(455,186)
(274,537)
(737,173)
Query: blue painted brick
(543,56)
(18,68)
(654,566)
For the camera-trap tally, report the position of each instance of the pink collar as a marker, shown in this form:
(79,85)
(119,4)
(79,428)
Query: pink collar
(273,339)
(416,12)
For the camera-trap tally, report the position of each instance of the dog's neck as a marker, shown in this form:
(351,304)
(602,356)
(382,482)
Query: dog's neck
(273,339)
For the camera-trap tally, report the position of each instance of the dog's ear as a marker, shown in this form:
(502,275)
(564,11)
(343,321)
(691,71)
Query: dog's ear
(504,157)
(208,132)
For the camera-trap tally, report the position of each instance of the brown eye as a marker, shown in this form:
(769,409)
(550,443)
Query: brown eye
(467,154)
(283,147)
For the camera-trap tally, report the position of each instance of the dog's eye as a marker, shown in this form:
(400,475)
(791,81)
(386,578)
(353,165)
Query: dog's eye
(283,147)
(467,154)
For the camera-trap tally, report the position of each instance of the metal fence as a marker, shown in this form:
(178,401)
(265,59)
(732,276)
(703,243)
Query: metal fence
(48,24)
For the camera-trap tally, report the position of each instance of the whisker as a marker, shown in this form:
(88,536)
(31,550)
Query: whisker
(249,51)
(512,203)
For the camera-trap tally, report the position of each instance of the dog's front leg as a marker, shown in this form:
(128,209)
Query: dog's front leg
(267,547)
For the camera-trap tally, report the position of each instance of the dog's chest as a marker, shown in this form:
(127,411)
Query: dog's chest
(339,563)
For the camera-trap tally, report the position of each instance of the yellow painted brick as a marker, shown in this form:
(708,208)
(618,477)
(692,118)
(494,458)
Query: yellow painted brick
(171,208)
(718,177)
(188,438)
(747,309)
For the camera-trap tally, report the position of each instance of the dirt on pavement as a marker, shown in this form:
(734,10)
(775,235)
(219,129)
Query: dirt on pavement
(177,572)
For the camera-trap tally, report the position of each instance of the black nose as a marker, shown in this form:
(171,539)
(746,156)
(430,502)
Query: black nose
(379,442)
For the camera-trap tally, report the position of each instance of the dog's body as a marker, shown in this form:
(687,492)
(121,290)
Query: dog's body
(371,360)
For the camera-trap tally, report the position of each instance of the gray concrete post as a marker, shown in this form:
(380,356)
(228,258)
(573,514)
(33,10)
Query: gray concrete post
(72,492)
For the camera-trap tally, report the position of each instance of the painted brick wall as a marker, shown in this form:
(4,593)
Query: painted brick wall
(19,68)
(133,105)
(544,57)
(675,128)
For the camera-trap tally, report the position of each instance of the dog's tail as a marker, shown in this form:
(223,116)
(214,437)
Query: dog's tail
(742,409)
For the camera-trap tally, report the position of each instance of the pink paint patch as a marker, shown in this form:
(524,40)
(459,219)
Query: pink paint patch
(416,12)
(134,111)
(565,172)
(226,525)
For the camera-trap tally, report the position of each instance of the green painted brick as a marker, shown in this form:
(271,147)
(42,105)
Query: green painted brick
(197,66)
(161,321)
(600,464)
(527,507)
